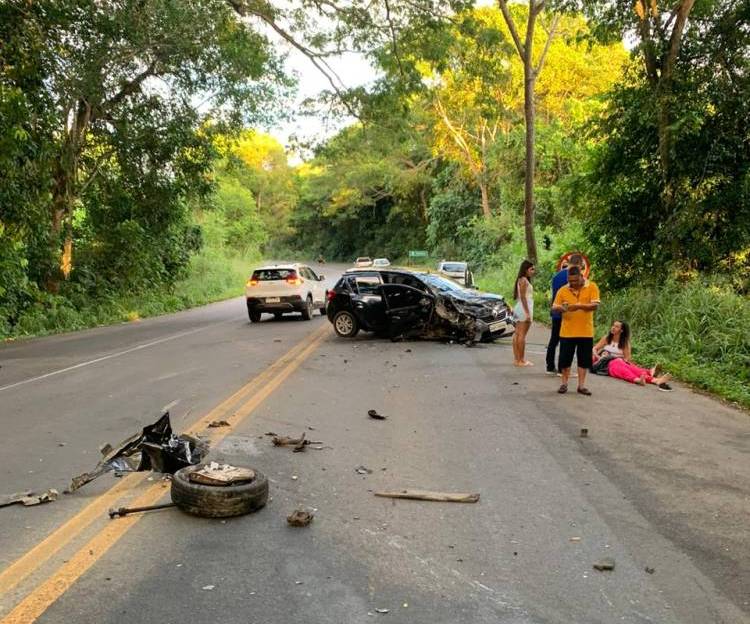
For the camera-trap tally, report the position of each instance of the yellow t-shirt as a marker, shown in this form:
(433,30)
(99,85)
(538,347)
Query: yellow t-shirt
(579,323)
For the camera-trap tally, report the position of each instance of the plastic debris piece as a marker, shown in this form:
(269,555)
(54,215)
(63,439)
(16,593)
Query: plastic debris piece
(383,610)
(362,470)
(374,414)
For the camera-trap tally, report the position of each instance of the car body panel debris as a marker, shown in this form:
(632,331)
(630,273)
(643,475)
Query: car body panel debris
(427,495)
(300,518)
(221,474)
(156,448)
(28,498)
(605,564)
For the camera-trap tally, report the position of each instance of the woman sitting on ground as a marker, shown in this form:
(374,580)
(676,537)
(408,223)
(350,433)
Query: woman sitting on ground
(615,347)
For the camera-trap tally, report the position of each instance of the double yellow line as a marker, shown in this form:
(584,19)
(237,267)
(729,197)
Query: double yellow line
(240,404)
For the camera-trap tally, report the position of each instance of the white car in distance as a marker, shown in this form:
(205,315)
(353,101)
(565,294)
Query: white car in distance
(379,263)
(363,261)
(282,288)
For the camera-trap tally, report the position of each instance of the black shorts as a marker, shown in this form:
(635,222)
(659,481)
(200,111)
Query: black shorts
(582,347)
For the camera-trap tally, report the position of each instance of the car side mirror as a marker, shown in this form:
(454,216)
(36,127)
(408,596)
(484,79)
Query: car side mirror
(321,278)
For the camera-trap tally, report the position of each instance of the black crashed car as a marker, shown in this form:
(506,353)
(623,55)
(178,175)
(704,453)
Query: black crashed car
(397,302)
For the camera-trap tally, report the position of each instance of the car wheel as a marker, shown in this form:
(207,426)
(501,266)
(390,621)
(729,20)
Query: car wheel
(345,324)
(211,501)
(254,316)
(307,311)
(277,316)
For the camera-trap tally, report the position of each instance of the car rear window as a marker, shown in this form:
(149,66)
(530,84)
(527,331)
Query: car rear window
(454,267)
(272,275)
(365,284)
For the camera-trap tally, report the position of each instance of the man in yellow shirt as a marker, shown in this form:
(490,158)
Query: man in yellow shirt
(576,302)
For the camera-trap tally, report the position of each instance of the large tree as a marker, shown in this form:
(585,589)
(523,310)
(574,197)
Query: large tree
(128,85)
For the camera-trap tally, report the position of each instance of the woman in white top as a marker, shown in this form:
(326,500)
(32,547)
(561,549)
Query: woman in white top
(523,311)
(616,346)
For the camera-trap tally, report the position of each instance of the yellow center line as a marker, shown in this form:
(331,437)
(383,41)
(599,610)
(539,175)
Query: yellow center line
(34,558)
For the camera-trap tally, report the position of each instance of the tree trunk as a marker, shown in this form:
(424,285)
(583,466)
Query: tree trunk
(529,110)
(485,200)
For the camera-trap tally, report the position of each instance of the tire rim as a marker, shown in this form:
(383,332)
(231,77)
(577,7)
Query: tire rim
(344,324)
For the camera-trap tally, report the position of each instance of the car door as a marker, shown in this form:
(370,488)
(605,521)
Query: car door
(316,286)
(407,307)
(367,301)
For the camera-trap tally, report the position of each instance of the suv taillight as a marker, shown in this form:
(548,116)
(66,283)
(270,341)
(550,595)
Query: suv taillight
(330,295)
(251,282)
(294,279)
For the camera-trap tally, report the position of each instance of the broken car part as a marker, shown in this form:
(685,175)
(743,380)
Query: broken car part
(29,499)
(125,511)
(426,495)
(374,414)
(154,448)
(218,501)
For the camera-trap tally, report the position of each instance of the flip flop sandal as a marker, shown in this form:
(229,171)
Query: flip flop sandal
(562,389)
(584,391)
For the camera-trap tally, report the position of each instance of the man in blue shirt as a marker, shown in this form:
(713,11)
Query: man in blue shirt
(558,281)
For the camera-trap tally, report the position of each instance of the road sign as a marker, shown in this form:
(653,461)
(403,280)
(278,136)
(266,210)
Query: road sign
(414,253)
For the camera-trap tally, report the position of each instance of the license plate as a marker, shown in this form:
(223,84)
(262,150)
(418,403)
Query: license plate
(272,300)
(497,325)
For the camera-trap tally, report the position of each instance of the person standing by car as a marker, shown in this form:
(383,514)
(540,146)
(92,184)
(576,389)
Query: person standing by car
(577,302)
(559,280)
(523,311)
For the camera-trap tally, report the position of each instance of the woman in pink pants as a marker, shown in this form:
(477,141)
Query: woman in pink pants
(616,345)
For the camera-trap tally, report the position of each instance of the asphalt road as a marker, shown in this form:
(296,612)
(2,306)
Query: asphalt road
(662,482)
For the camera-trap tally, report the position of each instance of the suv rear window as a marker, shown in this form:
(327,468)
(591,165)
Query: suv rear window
(272,275)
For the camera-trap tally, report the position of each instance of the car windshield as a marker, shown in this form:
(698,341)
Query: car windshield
(454,267)
(440,283)
(272,275)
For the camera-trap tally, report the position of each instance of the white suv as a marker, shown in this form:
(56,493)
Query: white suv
(283,288)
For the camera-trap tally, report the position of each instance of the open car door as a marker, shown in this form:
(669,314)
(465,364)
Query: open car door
(408,309)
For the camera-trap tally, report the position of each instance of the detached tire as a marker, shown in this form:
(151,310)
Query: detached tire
(217,501)
(345,324)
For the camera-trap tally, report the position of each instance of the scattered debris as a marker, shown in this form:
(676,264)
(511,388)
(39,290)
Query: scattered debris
(575,539)
(383,610)
(300,518)
(443,497)
(584,432)
(605,564)
(374,414)
(407,350)
(649,570)
(219,423)
(209,587)
(362,470)
(221,474)
(299,443)
(125,511)
(28,498)
(154,448)
(294,477)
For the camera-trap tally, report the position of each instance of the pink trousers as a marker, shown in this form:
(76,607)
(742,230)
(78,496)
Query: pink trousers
(621,369)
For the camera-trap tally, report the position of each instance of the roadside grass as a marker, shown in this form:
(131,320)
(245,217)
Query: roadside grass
(212,276)
(697,330)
